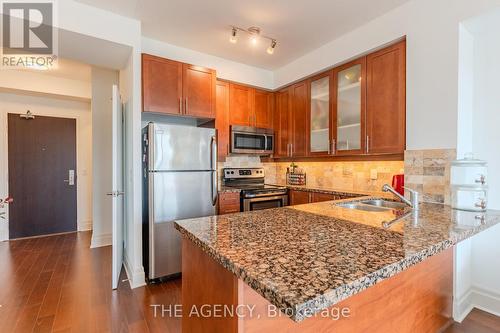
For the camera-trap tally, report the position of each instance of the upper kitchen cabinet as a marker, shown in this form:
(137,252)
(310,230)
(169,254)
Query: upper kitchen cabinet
(299,119)
(320,114)
(171,87)
(198,91)
(250,106)
(241,104)
(263,108)
(161,85)
(282,123)
(386,100)
(222,118)
(349,108)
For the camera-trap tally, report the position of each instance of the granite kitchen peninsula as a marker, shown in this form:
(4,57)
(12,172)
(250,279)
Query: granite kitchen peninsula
(391,269)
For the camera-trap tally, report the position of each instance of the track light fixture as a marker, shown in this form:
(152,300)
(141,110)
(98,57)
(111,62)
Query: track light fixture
(234,38)
(255,36)
(271,48)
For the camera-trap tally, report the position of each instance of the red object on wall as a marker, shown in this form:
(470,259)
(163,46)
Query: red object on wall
(398,182)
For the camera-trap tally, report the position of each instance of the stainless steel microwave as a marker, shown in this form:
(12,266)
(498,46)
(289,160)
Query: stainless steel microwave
(252,140)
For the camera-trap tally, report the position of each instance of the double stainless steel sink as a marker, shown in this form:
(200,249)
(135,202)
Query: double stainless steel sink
(374,205)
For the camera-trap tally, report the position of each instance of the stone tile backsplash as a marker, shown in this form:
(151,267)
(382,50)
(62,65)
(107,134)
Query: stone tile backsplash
(340,175)
(428,172)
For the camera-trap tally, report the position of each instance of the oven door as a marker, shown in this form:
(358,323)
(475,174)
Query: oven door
(266,202)
(248,142)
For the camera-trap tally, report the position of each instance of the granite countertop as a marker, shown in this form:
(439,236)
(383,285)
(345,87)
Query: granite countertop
(228,189)
(309,257)
(331,190)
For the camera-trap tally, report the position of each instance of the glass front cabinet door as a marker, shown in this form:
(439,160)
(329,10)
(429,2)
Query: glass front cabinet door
(320,121)
(349,108)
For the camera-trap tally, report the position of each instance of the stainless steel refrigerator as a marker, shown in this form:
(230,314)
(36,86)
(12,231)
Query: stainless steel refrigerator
(180,181)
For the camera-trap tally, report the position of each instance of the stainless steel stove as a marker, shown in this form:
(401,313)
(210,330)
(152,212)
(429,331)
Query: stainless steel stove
(255,194)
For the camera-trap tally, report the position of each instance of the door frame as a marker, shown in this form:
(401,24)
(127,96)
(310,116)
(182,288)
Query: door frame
(4,165)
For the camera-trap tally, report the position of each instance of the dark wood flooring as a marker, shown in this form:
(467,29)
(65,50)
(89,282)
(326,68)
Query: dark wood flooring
(58,284)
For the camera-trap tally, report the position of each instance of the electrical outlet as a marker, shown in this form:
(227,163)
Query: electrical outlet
(373,174)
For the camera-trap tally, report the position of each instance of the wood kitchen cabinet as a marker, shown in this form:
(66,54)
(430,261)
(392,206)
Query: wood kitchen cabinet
(250,106)
(161,85)
(263,108)
(222,119)
(241,104)
(349,108)
(321,197)
(198,89)
(229,202)
(386,100)
(299,119)
(172,87)
(355,110)
(299,197)
(291,121)
(282,126)
(320,115)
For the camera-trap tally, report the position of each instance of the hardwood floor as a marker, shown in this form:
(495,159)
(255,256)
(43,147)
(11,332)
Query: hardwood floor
(58,284)
(477,322)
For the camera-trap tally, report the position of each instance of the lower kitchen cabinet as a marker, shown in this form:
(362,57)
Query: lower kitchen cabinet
(229,202)
(320,197)
(299,197)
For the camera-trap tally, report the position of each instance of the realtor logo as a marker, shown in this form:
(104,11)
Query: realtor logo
(28,34)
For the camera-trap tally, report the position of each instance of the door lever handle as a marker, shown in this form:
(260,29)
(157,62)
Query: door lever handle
(115,193)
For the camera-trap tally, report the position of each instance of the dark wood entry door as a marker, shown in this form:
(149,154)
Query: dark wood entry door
(42,151)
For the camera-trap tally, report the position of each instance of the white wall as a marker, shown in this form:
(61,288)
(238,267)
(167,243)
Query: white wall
(486,136)
(226,69)
(55,107)
(35,82)
(102,83)
(476,274)
(130,89)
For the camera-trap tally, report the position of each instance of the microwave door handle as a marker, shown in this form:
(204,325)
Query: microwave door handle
(265,143)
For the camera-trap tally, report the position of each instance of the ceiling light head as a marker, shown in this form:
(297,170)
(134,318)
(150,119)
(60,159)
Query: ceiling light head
(254,35)
(234,38)
(271,48)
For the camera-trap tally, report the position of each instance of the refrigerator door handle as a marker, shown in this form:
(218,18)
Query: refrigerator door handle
(213,164)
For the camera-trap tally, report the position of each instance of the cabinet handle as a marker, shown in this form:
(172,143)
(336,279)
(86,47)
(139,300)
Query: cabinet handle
(186,106)
(367,144)
(180,105)
(334,147)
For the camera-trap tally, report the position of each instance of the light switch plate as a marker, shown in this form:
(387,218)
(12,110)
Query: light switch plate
(373,174)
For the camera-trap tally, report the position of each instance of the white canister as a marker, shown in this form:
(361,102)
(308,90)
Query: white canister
(469,172)
(470,198)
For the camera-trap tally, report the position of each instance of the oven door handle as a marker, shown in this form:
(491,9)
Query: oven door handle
(247,202)
(264,195)
(258,199)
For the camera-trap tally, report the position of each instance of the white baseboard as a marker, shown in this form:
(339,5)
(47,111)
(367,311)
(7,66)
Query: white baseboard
(101,240)
(85,225)
(136,278)
(476,297)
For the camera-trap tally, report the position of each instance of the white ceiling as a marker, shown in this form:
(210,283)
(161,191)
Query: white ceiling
(300,26)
